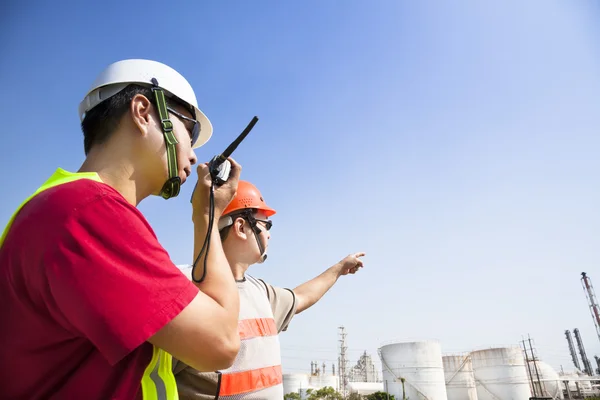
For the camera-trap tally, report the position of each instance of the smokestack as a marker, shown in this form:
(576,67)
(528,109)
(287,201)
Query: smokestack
(333,367)
(572,350)
(586,363)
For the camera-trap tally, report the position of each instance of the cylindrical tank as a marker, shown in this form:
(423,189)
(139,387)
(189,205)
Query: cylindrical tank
(500,373)
(550,381)
(413,370)
(292,383)
(365,388)
(460,382)
(321,381)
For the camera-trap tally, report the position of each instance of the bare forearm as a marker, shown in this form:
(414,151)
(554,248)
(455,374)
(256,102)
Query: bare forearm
(310,292)
(218,282)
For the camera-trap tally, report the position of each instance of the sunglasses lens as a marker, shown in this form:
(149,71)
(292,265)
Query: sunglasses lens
(195,132)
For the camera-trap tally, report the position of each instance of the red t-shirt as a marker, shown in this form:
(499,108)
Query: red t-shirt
(83,284)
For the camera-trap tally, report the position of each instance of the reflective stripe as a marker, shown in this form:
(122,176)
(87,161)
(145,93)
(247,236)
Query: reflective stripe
(149,389)
(250,328)
(158,381)
(166,373)
(270,393)
(248,381)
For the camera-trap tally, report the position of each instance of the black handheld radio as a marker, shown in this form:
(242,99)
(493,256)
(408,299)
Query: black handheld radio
(219,168)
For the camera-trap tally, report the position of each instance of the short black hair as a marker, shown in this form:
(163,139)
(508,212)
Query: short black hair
(101,121)
(225,232)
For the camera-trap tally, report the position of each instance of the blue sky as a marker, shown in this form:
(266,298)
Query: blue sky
(456,144)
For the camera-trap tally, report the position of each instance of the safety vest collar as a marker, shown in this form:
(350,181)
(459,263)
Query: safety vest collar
(59,177)
(63,176)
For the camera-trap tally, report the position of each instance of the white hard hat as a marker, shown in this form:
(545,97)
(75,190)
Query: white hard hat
(122,73)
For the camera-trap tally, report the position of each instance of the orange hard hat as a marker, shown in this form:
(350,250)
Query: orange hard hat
(248,197)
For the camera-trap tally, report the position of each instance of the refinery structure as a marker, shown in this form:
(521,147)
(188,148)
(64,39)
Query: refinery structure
(420,370)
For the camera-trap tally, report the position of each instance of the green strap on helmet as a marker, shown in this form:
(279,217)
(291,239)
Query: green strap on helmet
(173,184)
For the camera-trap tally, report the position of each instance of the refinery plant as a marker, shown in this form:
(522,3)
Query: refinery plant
(419,370)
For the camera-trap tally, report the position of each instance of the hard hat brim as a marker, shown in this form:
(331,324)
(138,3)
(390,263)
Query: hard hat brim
(206,128)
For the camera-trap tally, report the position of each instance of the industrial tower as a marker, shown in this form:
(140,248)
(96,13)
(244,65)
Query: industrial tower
(592,302)
(587,367)
(343,361)
(364,370)
(572,350)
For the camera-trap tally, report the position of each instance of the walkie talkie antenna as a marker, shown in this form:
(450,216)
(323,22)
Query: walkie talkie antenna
(231,148)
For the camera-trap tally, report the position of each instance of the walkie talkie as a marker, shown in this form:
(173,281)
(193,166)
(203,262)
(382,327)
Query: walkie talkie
(219,167)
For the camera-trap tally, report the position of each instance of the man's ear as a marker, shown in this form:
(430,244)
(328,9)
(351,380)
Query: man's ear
(239,226)
(141,108)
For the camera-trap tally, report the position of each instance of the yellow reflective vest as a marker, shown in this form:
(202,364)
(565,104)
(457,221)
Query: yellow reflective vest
(158,381)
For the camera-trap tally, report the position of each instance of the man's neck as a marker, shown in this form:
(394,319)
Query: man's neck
(117,173)
(239,269)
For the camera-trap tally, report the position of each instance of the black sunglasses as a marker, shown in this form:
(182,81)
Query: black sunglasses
(195,130)
(268,223)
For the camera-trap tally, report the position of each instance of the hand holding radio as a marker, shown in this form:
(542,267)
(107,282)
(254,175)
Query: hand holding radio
(220,176)
(221,167)
(222,193)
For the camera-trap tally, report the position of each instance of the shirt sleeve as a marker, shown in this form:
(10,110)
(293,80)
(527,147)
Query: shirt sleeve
(111,280)
(283,304)
(195,385)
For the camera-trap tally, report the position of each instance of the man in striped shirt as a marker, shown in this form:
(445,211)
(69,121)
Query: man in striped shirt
(265,310)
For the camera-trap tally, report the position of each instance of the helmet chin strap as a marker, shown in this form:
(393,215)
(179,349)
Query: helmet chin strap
(263,253)
(173,184)
(257,231)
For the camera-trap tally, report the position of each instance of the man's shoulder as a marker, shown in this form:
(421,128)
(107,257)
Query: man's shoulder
(254,279)
(79,197)
(258,283)
(78,193)
(263,283)
(82,205)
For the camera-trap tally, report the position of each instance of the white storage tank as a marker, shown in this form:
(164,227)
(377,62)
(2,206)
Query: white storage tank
(419,364)
(365,388)
(293,383)
(321,381)
(500,373)
(551,383)
(460,381)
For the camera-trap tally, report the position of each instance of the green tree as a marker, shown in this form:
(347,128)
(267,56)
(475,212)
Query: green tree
(355,396)
(292,396)
(380,396)
(326,393)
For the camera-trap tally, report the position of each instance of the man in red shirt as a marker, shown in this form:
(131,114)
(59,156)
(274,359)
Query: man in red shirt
(92,305)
